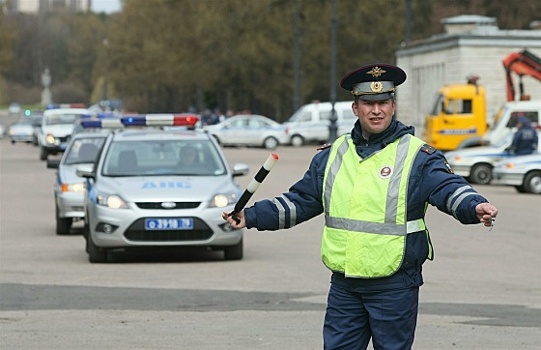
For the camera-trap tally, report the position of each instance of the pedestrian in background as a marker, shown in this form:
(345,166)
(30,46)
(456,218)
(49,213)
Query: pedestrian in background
(373,186)
(525,140)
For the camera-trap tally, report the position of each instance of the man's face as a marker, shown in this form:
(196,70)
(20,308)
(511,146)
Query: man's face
(374,116)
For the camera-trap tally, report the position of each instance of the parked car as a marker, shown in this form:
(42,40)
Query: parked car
(141,195)
(522,172)
(69,188)
(2,130)
(22,130)
(249,130)
(476,163)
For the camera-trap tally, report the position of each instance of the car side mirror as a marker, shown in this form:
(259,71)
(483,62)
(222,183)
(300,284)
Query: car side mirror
(86,171)
(240,169)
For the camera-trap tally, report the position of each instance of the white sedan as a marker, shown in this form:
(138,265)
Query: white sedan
(522,172)
(250,130)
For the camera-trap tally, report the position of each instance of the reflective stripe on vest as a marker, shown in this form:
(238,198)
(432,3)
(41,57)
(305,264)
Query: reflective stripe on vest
(365,215)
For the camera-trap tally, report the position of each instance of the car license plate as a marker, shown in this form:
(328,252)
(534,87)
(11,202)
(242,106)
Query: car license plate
(169,224)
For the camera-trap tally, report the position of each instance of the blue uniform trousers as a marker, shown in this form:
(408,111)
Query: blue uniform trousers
(354,317)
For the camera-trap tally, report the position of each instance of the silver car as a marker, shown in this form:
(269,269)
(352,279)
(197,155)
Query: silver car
(69,188)
(22,130)
(522,172)
(158,188)
(250,130)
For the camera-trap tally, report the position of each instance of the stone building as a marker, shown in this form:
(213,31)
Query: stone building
(470,45)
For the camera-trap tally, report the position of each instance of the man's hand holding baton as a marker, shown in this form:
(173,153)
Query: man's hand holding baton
(236,217)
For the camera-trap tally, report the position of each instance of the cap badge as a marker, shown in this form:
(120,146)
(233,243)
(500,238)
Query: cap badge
(376,72)
(376,86)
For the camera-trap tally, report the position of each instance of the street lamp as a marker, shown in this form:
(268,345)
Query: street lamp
(105,43)
(333,128)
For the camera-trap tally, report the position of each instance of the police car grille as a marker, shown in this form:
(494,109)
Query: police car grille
(158,205)
(137,233)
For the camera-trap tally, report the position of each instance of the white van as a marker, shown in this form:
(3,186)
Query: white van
(310,123)
(505,120)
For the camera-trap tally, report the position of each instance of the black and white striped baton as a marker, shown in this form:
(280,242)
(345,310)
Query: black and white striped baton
(254,185)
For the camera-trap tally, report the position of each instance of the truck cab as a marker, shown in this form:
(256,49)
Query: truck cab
(458,113)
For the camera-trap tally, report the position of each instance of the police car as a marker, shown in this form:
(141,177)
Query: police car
(56,128)
(69,188)
(522,172)
(155,188)
(476,163)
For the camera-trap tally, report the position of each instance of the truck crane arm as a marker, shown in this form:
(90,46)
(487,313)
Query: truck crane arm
(521,63)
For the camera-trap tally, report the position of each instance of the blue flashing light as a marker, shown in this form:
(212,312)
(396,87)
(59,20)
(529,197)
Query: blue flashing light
(133,121)
(91,123)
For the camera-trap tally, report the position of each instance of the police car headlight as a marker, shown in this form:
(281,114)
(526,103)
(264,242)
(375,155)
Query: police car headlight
(49,138)
(111,201)
(76,187)
(223,200)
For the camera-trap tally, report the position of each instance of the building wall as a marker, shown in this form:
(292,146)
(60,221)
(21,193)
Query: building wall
(448,59)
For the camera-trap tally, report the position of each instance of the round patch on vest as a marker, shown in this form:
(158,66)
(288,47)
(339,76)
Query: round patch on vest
(385,172)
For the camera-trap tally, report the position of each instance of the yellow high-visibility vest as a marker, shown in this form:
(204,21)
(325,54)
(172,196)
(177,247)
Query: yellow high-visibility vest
(365,204)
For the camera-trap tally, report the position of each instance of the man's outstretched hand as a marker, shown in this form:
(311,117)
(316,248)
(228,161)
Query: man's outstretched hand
(486,213)
(231,219)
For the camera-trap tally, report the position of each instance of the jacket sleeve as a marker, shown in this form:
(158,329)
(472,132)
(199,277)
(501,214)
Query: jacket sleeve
(302,202)
(448,192)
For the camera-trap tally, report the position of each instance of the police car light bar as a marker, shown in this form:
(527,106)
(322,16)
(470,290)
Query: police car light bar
(142,120)
(161,120)
(66,105)
(102,123)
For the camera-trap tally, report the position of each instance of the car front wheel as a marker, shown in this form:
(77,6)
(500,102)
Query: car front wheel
(481,174)
(95,253)
(63,225)
(43,154)
(234,252)
(297,141)
(532,182)
(270,143)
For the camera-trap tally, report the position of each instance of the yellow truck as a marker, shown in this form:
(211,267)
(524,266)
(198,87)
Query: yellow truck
(459,113)
(459,117)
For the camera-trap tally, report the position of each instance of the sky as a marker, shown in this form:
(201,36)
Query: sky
(107,6)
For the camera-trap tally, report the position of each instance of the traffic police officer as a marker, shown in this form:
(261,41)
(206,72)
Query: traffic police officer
(373,186)
(525,140)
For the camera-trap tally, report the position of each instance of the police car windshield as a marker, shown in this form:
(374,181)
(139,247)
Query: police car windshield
(163,158)
(84,150)
(58,119)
